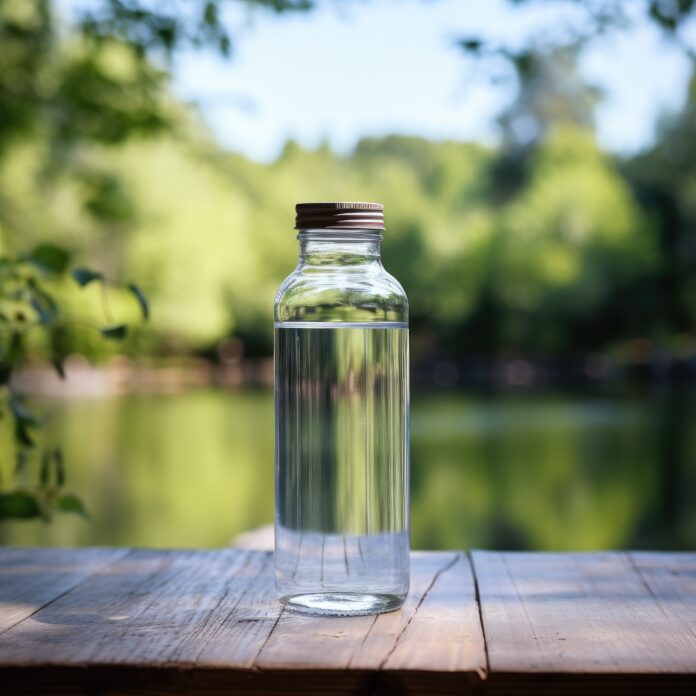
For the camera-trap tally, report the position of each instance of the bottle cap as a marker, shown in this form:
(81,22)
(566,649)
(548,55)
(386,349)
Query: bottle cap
(339,216)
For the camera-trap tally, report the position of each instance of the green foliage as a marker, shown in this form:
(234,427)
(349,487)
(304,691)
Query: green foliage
(83,276)
(593,20)
(664,179)
(20,505)
(166,26)
(27,306)
(71,503)
(543,68)
(50,258)
(535,245)
(102,86)
(670,14)
(114,333)
(213,238)
(141,299)
(70,96)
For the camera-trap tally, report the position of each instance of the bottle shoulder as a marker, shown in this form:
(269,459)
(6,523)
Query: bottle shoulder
(339,295)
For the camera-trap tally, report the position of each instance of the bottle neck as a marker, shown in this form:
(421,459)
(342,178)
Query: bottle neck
(340,249)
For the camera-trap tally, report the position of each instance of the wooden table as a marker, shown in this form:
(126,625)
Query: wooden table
(207,622)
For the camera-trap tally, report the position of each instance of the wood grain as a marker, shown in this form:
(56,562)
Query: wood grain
(441,607)
(578,613)
(234,634)
(444,634)
(671,580)
(386,629)
(313,642)
(147,608)
(161,622)
(30,579)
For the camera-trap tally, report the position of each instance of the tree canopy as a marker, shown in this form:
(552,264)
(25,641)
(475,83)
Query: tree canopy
(533,245)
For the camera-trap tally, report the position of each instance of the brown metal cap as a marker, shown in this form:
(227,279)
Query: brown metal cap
(339,216)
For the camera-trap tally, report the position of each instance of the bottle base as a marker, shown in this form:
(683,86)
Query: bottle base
(342,603)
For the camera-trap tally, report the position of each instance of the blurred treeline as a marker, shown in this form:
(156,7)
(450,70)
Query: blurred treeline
(541,246)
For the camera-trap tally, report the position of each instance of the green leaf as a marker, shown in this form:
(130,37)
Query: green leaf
(43,304)
(142,300)
(11,355)
(68,502)
(36,306)
(21,414)
(45,467)
(210,15)
(60,347)
(22,434)
(471,44)
(225,46)
(83,276)
(23,421)
(19,505)
(21,462)
(60,468)
(50,258)
(114,333)
(15,351)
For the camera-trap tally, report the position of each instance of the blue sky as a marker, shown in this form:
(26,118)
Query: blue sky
(355,68)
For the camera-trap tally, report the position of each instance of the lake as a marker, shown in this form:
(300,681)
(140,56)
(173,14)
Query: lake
(522,471)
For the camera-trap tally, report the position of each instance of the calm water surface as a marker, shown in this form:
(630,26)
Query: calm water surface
(538,472)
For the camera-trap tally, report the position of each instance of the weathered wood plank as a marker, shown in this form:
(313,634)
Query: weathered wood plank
(156,622)
(137,611)
(438,628)
(671,579)
(243,620)
(32,578)
(386,629)
(576,613)
(313,642)
(445,632)
(441,604)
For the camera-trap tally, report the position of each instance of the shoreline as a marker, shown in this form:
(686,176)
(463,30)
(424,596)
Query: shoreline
(121,375)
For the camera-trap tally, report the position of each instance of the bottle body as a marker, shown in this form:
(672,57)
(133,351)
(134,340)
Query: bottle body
(342,444)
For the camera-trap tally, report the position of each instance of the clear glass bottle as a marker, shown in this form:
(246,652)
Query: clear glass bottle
(342,410)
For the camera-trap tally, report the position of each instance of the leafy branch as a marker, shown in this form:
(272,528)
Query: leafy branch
(28,305)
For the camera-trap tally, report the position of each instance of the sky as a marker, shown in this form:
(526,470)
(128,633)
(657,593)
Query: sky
(356,68)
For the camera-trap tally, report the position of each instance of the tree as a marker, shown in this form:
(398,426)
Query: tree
(100,86)
(592,20)
(664,179)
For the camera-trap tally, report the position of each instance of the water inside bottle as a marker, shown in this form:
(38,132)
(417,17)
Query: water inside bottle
(342,458)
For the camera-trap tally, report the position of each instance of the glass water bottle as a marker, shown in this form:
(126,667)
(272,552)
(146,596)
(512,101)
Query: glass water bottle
(342,419)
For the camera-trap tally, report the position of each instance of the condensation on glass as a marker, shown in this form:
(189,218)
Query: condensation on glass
(342,409)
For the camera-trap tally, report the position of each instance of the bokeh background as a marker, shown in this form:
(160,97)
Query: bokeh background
(537,162)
